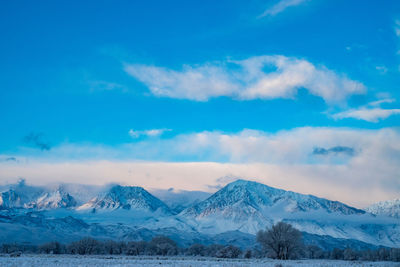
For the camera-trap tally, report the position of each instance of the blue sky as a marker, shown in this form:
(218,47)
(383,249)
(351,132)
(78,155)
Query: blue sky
(201,81)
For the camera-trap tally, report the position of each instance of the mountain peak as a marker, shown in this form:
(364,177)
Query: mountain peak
(242,201)
(388,208)
(56,199)
(127,198)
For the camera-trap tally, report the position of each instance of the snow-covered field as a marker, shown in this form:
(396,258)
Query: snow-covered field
(71,260)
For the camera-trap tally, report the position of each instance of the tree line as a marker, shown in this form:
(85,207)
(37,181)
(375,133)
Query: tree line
(281,241)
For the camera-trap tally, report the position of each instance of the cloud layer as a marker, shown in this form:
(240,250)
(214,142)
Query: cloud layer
(262,77)
(285,159)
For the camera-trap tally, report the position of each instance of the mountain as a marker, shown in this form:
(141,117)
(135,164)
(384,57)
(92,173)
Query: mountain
(178,200)
(127,198)
(35,197)
(387,208)
(250,206)
(54,200)
(232,215)
(20,195)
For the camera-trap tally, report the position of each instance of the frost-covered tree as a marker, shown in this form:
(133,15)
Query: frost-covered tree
(228,252)
(162,245)
(52,248)
(313,252)
(281,241)
(395,254)
(86,246)
(137,248)
(213,249)
(337,254)
(349,255)
(197,250)
(112,247)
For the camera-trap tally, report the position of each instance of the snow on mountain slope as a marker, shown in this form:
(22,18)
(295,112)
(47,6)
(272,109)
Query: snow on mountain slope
(250,206)
(387,208)
(243,206)
(34,197)
(54,200)
(127,198)
(20,195)
(179,200)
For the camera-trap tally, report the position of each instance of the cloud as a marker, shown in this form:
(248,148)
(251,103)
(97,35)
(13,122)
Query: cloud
(149,133)
(372,112)
(280,159)
(378,103)
(37,140)
(334,150)
(370,115)
(281,6)
(262,77)
(283,147)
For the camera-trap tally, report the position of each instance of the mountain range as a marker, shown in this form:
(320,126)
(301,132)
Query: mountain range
(233,214)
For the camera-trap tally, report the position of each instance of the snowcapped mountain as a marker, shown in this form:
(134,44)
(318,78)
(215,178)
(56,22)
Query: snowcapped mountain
(54,200)
(127,198)
(387,208)
(249,206)
(20,195)
(178,200)
(33,197)
(241,208)
(259,196)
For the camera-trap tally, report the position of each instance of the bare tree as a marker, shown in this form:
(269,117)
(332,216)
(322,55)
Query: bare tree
(86,246)
(228,252)
(162,245)
(137,248)
(282,240)
(197,250)
(52,248)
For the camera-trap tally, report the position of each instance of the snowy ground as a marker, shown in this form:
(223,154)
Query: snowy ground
(68,260)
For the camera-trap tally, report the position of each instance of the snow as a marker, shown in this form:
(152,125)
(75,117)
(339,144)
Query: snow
(243,206)
(388,208)
(127,198)
(73,260)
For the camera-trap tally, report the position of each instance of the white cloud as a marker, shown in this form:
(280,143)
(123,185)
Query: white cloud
(247,79)
(372,112)
(371,115)
(378,103)
(150,133)
(284,159)
(281,6)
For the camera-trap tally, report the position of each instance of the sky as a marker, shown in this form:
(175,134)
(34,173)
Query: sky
(303,95)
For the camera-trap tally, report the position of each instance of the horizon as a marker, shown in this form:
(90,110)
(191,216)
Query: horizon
(212,189)
(297,95)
